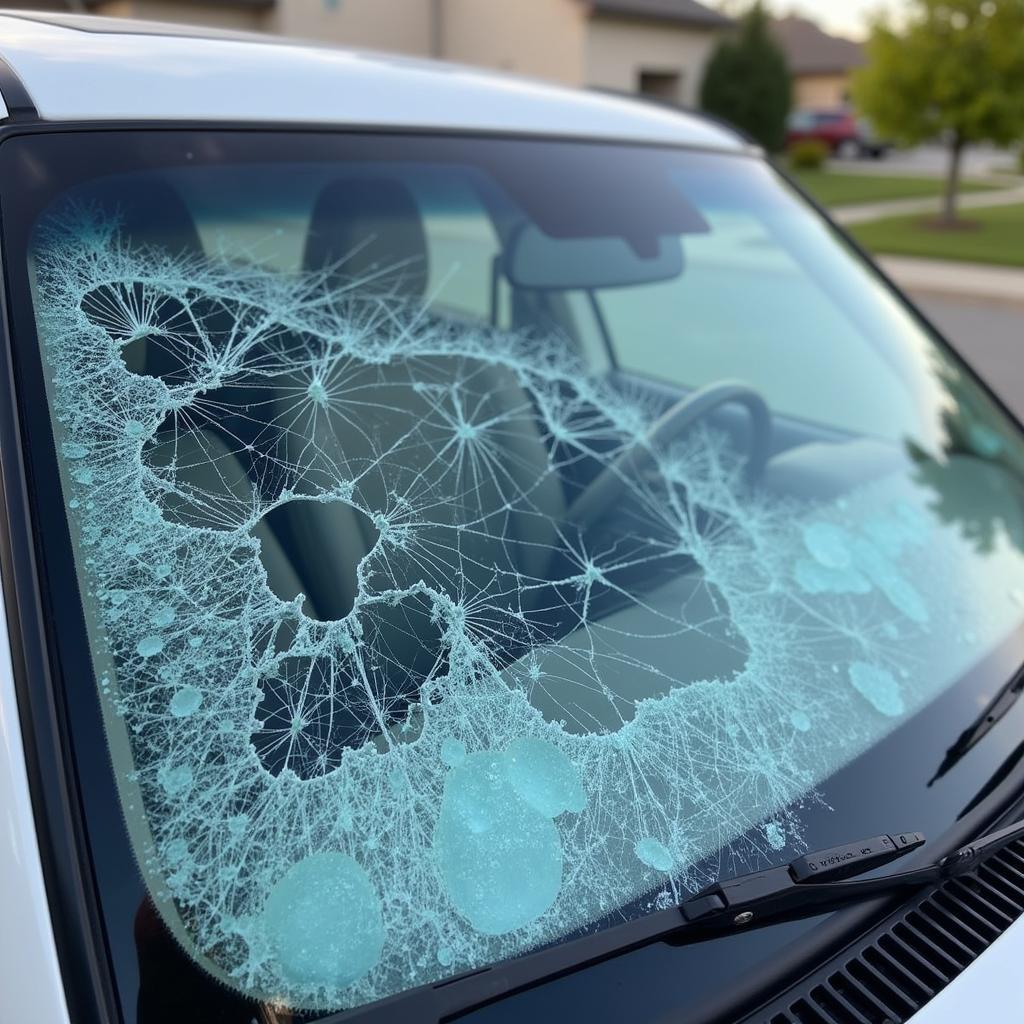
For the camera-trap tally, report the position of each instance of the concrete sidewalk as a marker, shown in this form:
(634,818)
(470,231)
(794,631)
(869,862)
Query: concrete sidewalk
(996,179)
(862,212)
(965,280)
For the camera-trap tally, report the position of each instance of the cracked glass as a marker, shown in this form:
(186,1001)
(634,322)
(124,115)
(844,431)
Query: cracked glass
(479,545)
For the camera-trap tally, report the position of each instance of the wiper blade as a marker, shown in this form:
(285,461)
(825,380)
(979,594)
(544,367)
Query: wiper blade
(996,708)
(814,884)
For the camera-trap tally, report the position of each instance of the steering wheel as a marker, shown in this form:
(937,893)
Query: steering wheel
(607,487)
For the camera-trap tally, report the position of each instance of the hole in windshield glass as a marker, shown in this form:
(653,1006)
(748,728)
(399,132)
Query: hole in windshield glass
(314,548)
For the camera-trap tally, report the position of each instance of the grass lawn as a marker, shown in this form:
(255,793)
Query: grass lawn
(997,237)
(834,188)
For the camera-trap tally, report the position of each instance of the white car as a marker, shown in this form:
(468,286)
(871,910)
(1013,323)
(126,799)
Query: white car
(474,549)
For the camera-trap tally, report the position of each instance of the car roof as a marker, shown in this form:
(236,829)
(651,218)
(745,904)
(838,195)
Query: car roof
(79,68)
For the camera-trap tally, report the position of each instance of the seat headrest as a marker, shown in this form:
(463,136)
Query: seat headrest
(151,215)
(371,229)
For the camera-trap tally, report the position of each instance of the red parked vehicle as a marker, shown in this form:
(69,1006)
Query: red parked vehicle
(846,135)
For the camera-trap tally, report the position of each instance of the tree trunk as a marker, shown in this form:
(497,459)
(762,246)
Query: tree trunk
(949,198)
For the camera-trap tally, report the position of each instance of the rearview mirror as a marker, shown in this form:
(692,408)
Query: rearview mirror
(535,260)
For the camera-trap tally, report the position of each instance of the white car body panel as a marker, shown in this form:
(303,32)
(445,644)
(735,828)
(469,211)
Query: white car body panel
(30,981)
(75,75)
(991,989)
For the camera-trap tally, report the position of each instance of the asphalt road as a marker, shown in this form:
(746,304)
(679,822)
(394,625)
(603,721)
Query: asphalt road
(990,335)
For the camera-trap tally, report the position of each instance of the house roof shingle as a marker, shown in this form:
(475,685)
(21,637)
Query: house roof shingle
(812,51)
(687,12)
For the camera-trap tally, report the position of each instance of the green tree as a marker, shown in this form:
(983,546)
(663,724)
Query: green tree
(953,69)
(747,81)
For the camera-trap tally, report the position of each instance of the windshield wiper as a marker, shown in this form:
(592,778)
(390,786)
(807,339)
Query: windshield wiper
(814,884)
(996,708)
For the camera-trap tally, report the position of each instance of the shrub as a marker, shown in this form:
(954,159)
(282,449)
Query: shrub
(807,154)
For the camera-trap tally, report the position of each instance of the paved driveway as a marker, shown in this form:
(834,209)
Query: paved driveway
(932,160)
(990,335)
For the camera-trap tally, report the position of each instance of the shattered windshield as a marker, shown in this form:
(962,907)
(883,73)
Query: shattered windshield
(477,537)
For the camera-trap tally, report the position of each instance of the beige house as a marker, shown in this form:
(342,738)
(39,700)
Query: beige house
(821,64)
(657,47)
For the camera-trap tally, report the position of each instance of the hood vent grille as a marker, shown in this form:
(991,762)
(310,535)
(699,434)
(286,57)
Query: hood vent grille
(897,968)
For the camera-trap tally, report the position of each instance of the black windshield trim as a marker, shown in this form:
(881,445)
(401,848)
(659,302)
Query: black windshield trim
(82,948)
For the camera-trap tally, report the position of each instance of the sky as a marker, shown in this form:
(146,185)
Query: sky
(845,17)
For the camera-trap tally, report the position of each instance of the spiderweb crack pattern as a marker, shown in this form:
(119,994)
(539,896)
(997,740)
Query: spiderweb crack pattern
(492,748)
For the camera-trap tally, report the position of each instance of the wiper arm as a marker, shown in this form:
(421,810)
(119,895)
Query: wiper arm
(819,882)
(809,885)
(814,884)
